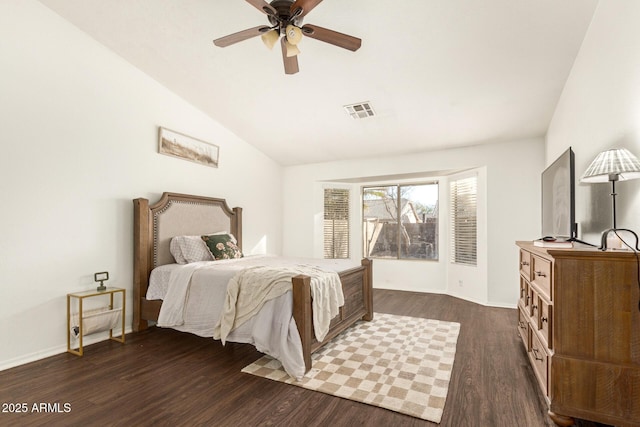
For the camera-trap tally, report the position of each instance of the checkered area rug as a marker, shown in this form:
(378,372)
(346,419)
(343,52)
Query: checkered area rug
(396,362)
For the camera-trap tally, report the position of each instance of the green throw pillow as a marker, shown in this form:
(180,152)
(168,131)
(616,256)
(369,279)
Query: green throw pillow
(222,246)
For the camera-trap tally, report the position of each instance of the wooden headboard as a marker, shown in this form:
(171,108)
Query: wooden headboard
(174,215)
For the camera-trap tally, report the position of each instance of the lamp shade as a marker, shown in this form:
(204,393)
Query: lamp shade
(269,39)
(294,34)
(613,165)
(292,50)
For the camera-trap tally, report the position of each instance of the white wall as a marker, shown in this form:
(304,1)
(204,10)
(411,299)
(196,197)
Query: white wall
(79,142)
(509,178)
(600,109)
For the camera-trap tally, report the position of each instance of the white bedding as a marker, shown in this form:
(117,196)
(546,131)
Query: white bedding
(272,330)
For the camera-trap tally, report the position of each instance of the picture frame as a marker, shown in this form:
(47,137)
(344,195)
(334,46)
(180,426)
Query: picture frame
(176,144)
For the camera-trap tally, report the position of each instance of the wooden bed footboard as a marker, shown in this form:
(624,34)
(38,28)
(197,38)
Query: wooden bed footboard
(358,305)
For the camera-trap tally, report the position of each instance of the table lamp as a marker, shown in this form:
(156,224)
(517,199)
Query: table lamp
(613,165)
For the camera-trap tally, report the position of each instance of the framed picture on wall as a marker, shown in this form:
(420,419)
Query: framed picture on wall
(176,144)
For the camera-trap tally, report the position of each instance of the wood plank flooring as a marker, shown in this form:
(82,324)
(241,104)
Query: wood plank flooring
(162,377)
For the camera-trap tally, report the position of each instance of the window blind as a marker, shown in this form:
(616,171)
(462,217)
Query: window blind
(463,220)
(336,223)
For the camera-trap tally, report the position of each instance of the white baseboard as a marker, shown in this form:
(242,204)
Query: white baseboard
(444,292)
(53,351)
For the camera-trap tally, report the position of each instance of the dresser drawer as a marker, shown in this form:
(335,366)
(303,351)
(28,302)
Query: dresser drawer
(532,308)
(541,275)
(523,328)
(540,362)
(523,299)
(540,315)
(545,320)
(525,264)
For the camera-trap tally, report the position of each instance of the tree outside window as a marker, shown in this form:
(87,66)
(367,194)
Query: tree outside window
(401,221)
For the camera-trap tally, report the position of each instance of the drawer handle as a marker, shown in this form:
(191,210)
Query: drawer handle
(544,319)
(534,308)
(540,273)
(522,324)
(535,354)
(523,263)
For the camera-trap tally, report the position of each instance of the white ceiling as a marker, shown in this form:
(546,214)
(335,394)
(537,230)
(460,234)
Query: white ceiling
(439,73)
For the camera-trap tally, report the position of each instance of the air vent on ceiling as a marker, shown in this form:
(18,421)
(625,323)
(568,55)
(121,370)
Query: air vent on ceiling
(361,110)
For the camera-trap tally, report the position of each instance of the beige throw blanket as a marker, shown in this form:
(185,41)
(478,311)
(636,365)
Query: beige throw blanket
(249,289)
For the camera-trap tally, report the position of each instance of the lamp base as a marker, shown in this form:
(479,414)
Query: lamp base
(605,234)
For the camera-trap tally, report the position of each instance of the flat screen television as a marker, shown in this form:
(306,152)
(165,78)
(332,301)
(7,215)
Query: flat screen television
(558,198)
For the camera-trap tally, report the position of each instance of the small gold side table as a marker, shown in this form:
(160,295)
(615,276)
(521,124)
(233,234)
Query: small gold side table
(80,296)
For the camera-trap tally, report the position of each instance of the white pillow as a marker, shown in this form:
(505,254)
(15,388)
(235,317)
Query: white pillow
(187,249)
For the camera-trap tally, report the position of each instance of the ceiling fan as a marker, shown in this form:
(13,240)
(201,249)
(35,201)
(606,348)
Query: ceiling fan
(286,17)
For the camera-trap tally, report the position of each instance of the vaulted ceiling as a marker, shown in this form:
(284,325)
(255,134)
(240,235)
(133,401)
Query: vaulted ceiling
(438,73)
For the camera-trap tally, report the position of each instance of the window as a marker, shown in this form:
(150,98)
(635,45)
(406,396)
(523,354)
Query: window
(463,220)
(400,221)
(336,223)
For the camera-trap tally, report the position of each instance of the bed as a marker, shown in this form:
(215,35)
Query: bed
(181,215)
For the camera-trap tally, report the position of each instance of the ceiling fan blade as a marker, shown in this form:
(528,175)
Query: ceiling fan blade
(332,37)
(262,6)
(290,62)
(240,36)
(306,6)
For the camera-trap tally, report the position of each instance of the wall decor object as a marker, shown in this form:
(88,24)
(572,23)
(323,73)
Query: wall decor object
(179,145)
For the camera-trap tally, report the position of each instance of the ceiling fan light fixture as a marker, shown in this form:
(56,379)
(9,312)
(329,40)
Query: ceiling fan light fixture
(270,38)
(285,18)
(292,50)
(294,34)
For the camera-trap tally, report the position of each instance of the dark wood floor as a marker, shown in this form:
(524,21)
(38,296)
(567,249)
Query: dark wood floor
(166,378)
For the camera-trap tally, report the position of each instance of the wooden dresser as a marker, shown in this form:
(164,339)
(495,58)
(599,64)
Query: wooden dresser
(578,318)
